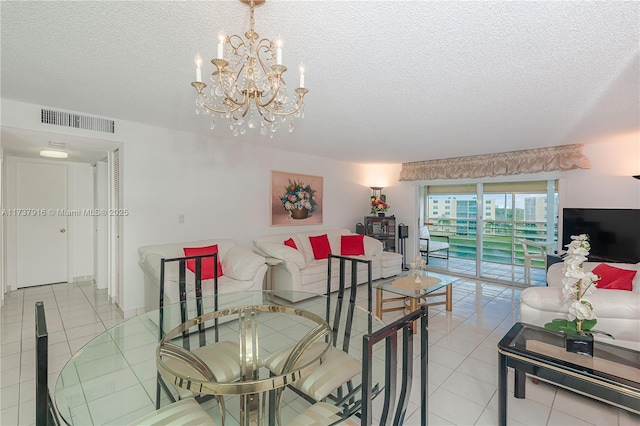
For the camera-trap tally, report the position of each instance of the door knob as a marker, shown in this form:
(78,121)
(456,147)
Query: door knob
(62,230)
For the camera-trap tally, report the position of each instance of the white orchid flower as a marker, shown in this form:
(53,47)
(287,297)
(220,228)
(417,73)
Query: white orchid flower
(581,310)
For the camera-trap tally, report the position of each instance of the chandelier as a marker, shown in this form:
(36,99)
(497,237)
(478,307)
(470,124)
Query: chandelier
(247,87)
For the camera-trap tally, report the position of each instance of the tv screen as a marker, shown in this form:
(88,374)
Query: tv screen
(614,234)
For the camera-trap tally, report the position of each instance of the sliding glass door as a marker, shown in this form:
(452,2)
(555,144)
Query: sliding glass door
(486,223)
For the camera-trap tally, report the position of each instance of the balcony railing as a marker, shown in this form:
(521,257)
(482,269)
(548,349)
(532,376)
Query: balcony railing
(500,239)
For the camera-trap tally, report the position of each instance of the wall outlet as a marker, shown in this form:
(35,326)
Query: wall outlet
(180,218)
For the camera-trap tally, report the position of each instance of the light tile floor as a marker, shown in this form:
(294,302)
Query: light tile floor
(462,357)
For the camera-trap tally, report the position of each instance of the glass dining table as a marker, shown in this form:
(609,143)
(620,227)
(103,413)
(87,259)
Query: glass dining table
(113,379)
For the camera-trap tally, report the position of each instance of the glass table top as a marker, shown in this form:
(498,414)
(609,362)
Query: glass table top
(112,379)
(405,285)
(609,363)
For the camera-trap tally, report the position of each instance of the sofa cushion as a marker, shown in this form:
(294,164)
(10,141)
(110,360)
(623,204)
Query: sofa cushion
(433,246)
(241,264)
(320,246)
(283,252)
(389,259)
(291,243)
(607,304)
(352,245)
(208,269)
(555,273)
(304,244)
(316,271)
(614,278)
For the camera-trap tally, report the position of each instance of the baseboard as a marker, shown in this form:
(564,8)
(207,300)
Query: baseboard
(83,278)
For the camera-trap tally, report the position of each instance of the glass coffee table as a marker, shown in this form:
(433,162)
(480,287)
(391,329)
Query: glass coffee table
(413,294)
(612,375)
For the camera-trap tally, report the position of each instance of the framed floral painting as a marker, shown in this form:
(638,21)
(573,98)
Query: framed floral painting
(296,199)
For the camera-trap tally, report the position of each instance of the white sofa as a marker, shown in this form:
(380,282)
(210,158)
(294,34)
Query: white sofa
(243,271)
(299,271)
(617,311)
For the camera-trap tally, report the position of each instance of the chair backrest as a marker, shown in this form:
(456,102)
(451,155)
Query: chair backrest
(424,232)
(537,249)
(184,306)
(45,410)
(395,407)
(182,289)
(345,333)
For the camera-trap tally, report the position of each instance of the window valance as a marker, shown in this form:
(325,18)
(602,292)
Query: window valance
(564,157)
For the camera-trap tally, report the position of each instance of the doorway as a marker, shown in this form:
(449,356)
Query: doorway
(56,190)
(41,223)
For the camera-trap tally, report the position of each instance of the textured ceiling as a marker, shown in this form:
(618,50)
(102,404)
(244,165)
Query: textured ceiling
(389,81)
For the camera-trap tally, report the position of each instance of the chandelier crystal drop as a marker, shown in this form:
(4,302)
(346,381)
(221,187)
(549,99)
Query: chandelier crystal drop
(247,85)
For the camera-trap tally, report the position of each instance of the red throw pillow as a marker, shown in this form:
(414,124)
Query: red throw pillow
(320,246)
(614,278)
(352,245)
(291,243)
(207,262)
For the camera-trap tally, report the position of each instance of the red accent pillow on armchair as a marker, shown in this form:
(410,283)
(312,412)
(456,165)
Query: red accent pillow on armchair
(207,263)
(321,247)
(613,278)
(352,245)
(291,243)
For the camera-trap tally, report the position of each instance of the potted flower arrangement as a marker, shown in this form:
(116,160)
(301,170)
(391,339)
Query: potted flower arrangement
(298,199)
(578,286)
(379,205)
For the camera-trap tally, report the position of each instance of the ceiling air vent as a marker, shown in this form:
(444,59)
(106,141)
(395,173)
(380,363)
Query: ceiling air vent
(61,118)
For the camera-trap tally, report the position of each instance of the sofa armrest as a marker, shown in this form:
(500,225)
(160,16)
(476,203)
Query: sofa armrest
(555,275)
(372,247)
(151,266)
(241,264)
(280,251)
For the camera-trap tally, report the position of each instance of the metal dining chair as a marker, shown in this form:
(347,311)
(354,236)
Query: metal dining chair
(186,412)
(45,410)
(221,357)
(334,378)
(394,405)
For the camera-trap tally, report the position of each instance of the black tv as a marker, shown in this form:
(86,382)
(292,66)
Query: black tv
(614,234)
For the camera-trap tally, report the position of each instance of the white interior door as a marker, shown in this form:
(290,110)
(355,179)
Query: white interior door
(41,238)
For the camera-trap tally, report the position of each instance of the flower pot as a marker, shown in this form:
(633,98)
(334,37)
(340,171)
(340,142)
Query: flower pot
(299,213)
(579,343)
(380,214)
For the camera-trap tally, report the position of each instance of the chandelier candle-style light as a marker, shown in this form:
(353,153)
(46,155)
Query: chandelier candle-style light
(247,86)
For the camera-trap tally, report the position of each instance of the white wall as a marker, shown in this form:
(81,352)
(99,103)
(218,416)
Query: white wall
(2,221)
(81,229)
(609,182)
(220,186)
